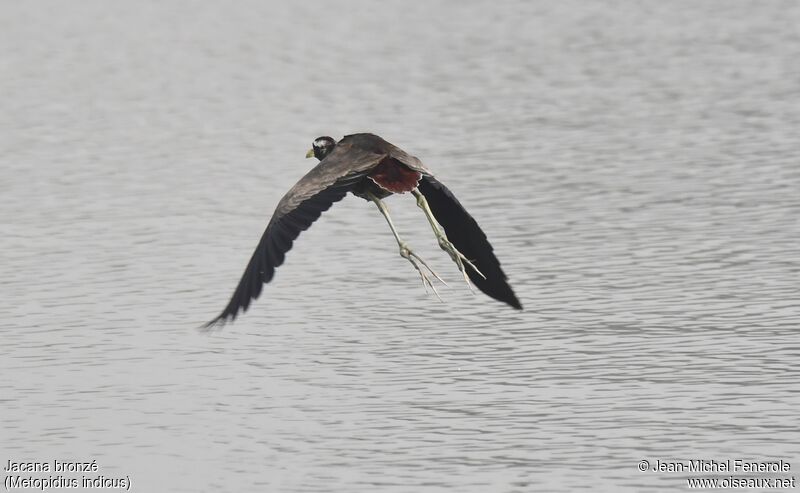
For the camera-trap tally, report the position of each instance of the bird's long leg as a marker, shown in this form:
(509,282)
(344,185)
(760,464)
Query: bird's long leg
(406,252)
(444,243)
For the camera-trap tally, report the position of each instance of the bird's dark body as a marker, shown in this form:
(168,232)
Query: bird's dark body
(364,164)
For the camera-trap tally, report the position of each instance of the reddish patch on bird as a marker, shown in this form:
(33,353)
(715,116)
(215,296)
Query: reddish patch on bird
(393,176)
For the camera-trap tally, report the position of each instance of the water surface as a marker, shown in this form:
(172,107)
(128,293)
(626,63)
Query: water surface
(635,167)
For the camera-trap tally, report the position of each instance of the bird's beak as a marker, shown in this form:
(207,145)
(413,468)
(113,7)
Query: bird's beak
(310,153)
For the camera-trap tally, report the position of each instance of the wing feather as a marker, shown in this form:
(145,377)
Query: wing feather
(463,231)
(316,192)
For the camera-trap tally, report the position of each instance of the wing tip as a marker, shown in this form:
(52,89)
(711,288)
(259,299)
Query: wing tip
(511,300)
(217,323)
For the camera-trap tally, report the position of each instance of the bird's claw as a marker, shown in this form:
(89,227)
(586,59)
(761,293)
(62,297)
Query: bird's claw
(459,259)
(421,267)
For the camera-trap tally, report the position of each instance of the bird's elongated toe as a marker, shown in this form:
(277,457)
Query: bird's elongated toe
(421,267)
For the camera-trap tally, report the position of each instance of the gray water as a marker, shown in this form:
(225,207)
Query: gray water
(635,165)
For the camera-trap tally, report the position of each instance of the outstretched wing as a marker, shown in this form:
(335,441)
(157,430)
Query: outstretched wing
(326,183)
(463,231)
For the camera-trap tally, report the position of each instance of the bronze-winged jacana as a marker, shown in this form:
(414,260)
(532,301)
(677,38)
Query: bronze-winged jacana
(372,169)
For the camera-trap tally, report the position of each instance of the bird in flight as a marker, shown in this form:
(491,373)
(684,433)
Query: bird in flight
(372,168)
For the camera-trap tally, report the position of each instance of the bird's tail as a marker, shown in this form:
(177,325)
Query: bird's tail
(465,234)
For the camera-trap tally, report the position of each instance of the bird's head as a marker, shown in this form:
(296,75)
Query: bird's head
(321,147)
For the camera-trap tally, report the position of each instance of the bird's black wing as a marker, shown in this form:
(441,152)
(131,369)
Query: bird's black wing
(463,231)
(326,183)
